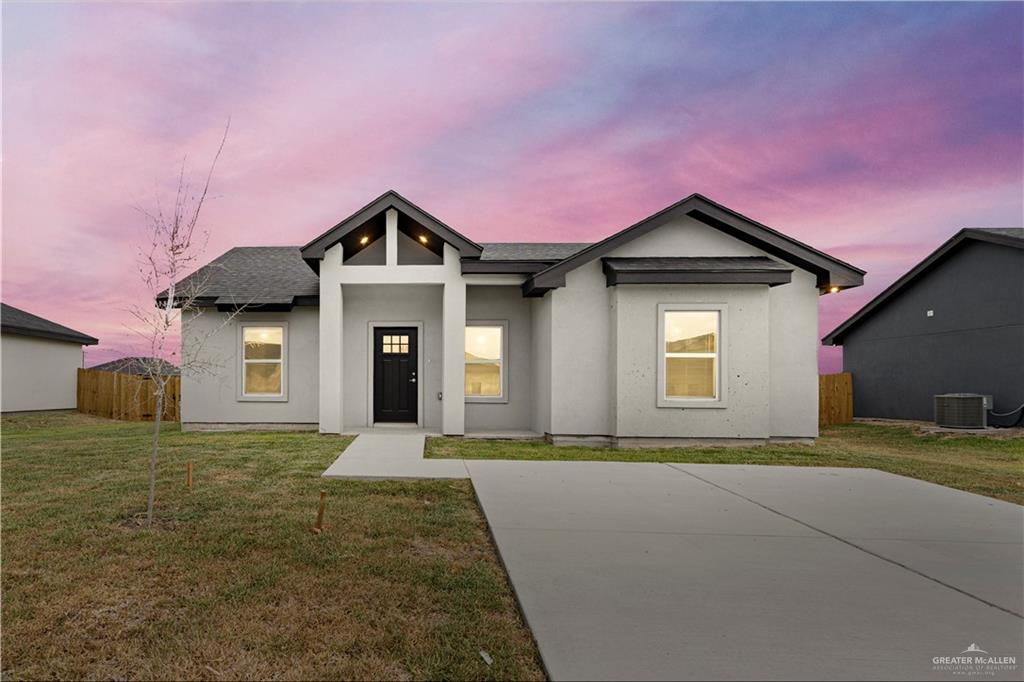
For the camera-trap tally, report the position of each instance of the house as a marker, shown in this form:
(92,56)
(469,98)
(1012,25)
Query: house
(694,324)
(39,362)
(953,324)
(138,366)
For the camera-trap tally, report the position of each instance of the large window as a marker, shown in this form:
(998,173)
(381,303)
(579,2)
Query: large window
(690,367)
(485,361)
(263,361)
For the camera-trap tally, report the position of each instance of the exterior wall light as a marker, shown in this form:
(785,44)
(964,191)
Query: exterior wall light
(833,290)
(423,238)
(364,241)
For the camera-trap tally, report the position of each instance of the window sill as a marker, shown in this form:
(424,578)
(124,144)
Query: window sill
(262,399)
(485,401)
(692,404)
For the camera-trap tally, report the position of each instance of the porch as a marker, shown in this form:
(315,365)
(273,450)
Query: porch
(393,333)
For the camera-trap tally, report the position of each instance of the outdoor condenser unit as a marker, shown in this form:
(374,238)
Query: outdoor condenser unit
(962,410)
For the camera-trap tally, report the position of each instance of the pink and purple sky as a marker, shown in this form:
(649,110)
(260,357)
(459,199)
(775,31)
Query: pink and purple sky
(872,131)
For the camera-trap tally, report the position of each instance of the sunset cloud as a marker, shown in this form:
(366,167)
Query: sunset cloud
(873,131)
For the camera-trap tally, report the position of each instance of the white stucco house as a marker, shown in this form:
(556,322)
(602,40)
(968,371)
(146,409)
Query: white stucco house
(39,360)
(696,324)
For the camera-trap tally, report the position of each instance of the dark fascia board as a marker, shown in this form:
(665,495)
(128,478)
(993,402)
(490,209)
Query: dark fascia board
(81,339)
(204,302)
(835,337)
(829,271)
(504,267)
(225,307)
(224,304)
(315,249)
(769,276)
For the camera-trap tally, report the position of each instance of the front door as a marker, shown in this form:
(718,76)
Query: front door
(394,374)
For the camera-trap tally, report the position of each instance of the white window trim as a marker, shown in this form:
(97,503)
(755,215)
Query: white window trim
(721,379)
(242,396)
(503,398)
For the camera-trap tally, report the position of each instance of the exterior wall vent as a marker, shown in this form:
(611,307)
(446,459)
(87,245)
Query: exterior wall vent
(962,410)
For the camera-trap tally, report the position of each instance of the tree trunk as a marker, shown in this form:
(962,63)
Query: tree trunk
(152,457)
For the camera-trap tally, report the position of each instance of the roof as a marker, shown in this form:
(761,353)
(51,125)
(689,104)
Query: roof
(829,271)
(696,270)
(16,321)
(1012,237)
(280,277)
(522,258)
(267,277)
(543,251)
(315,249)
(1012,232)
(138,365)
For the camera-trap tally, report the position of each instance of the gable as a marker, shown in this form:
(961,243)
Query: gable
(685,236)
(995,241)
(412,221)
(829,271)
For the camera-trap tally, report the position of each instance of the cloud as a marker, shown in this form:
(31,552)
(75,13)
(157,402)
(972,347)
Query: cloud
(873,131)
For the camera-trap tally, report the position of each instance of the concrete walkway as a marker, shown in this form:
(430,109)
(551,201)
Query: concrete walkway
(658,571)
(392,456)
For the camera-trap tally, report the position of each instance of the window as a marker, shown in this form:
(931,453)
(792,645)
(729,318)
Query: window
(395,344)
(485,361)
(690,363)
(263,358)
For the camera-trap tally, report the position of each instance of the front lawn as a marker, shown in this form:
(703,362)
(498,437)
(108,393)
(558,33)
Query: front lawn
(977,464)
(405,583)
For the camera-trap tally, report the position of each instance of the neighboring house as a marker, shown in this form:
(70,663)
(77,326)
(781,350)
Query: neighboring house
(38,362)
(695,323)
(138,366)
(953,324)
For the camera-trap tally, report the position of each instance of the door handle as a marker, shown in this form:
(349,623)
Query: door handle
(412,379)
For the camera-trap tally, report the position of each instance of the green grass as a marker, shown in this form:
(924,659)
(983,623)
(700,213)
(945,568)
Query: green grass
(978,464)
(231,584)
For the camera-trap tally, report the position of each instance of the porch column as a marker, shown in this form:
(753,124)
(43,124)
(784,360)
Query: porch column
(391,237)
(331,326)
(453,405)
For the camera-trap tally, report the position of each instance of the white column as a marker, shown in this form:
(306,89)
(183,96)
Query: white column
(453,406)
(331,328)
(391,237)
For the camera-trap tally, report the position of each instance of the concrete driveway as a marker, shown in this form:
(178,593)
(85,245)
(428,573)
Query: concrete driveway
(680,571)
(648,571)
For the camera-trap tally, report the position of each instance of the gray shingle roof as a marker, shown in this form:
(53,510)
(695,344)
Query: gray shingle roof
(1015,232)
(277,275)
(16,321)
(137,365)
(552,251)
(254,275)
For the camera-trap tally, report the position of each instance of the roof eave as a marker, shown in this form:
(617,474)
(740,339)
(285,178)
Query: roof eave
(315,249)
(504,267)
(829,271)
(82,339)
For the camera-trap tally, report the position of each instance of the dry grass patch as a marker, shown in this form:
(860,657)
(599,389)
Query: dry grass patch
(404,584)
(975,463)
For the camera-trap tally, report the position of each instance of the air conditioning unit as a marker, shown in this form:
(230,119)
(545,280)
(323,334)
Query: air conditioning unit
(962,410)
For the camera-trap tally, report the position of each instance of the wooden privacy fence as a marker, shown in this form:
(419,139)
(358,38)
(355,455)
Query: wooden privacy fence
(835,399)
(125,396)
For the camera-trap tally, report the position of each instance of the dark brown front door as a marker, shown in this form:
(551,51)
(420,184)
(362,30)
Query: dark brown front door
(394,374)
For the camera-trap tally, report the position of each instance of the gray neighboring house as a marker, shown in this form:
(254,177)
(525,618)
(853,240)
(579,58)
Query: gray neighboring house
(696,324)
(38,362)
(952,324)
(137,366)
